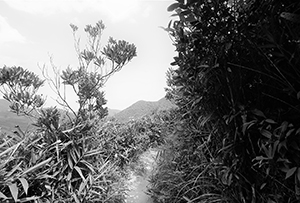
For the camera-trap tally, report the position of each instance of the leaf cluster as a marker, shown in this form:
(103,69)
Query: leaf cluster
(19,87)
(87,80)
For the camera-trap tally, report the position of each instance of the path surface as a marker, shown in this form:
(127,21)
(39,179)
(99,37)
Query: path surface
(138,180)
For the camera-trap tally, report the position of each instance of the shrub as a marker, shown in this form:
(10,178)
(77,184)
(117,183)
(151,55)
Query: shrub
(124,142)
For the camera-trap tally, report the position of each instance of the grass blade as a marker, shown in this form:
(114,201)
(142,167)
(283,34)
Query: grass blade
(24,184)
(14,191)
(37,166)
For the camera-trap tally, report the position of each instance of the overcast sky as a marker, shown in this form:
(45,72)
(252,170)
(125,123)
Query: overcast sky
(33,30)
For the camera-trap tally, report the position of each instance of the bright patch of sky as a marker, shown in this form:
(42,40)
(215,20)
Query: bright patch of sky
(32,31)
(9,34)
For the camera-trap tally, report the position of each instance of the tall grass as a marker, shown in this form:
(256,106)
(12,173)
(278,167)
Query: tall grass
(87,163)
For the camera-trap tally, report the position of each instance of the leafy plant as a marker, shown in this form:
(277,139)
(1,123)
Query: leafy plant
(87,80)
(19,87)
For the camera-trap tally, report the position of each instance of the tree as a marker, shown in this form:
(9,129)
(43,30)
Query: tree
(92,72)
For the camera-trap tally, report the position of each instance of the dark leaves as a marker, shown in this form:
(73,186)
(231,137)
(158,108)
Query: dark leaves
(173,6)
(291,17)
(119,51)
(20,87)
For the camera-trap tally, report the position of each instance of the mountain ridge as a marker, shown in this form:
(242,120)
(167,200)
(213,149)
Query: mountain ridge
(142,108)
(8,119)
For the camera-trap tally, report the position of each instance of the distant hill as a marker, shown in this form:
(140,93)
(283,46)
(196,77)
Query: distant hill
(112,112)
(9,120)
(142,108)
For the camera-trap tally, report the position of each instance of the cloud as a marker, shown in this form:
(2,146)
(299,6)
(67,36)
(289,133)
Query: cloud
(147,11)
(47,7)
(119,10)
(8,33)
(116,10)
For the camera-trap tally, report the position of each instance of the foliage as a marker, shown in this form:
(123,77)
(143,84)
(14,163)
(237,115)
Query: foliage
(63,160)
(19,87)
(125,141)
(93,71)
(36,168)
(80,164)
(236,83)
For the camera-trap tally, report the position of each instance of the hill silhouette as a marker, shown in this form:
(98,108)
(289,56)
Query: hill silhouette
(112,112)
(142,108)
(8,119)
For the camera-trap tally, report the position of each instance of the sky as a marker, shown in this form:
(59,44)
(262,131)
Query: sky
(33,31)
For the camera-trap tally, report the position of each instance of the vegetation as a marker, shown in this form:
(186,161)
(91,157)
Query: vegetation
(236,83)
(8,120)
(35,168)
(73,155)
(64,160)
(233,138)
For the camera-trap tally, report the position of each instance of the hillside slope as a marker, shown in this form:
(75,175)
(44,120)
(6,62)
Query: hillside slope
(9,120)
(142,108)
(112,112)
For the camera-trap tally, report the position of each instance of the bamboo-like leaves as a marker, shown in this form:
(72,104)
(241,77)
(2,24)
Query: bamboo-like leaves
(79,172)
(2,196)
(25,184)
(13,148)
(83,185)
(14,191)
(35,167)
(290,172)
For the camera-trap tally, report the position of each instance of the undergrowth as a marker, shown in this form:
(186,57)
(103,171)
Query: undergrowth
(84,164)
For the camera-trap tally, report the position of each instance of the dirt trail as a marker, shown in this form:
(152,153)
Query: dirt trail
(138,180)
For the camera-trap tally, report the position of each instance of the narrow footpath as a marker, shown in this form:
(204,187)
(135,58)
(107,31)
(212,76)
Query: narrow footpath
(138,181)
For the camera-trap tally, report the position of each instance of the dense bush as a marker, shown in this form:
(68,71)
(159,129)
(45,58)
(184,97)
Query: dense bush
(123,142)
(58,166)
(236,83)
(85,164)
